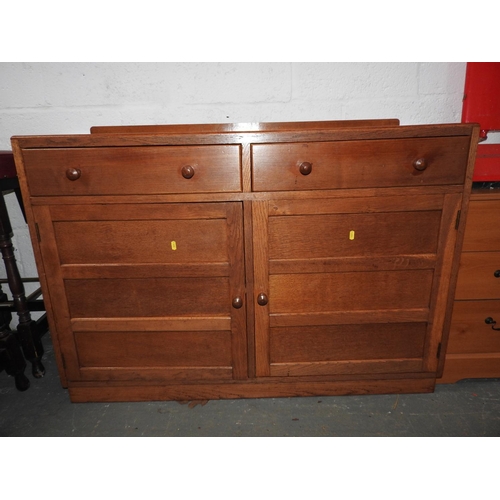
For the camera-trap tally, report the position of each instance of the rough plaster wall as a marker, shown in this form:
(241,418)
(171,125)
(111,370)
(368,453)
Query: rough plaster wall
(68,98)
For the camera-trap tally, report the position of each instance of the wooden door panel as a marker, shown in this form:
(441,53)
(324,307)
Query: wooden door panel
(344,342)
(371,367)
(349,291)
(162,241)
(113,298)
(349,235)
(154,349)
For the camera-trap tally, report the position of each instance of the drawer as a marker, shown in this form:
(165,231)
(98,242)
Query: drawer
(481,230)
(469,333)
(133,170)
(476,276)
(357,164)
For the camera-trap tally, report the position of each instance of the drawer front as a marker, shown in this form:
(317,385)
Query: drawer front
(481,230)
(133,170)
(469,333)
(355,164)
(477,277)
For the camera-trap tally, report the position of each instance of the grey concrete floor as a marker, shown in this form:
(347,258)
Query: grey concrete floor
(468,408)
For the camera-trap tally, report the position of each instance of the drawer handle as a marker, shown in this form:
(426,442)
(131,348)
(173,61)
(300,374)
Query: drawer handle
(73,174)
(497,273)
(237,302)
(262,299)
(187,172)
(492,322)
(305,168)
(420,164)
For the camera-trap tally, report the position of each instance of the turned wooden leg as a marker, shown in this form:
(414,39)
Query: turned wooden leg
(27,332)
(12,359)
(5,314)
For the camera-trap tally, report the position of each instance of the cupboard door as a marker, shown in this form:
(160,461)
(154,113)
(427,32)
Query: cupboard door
(149,292)
(352,286)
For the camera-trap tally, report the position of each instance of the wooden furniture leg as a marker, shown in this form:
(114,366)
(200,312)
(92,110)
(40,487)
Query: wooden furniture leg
(11,357)
(27,332)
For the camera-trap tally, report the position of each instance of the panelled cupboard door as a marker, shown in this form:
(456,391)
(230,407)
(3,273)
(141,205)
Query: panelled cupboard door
(149,291)
(353,285)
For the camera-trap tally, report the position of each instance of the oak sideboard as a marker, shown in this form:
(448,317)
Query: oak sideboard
(214,261)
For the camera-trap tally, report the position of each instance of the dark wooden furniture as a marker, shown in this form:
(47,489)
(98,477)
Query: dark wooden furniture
(255,260)
(474,343)
(28,334)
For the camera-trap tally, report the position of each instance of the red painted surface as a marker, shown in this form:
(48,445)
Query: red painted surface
(482,105)
(487,166)
(482,95)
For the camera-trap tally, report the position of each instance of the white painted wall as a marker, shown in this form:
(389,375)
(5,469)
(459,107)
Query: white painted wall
(68,98)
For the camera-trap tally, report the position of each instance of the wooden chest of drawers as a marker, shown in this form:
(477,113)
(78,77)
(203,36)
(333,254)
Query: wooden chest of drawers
(474,343)
(202,262)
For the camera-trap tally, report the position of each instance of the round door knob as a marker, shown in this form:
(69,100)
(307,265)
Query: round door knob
(73,174)
(305,168)
(420,164)
(262,299)
(497,273)
(237,302)
(187,172)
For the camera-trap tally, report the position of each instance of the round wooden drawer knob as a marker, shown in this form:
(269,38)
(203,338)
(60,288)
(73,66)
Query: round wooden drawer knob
(305,168)
(262,299)
(237,302)
(73,174)
(187,172)
(420,164)
(497,273)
